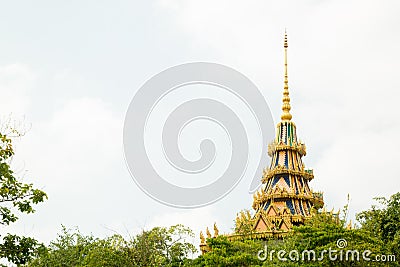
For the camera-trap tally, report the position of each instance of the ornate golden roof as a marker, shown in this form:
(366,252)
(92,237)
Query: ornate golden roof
(285,198)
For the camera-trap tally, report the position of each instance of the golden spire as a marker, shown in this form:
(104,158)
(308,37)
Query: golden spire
(286,116)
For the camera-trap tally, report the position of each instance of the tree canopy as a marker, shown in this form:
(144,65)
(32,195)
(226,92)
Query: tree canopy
(160,246)
(16,198)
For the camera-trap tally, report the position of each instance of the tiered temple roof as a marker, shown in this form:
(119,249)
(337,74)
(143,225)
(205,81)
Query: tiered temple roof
(285,198)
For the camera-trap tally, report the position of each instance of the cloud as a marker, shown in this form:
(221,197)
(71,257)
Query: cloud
(16,83)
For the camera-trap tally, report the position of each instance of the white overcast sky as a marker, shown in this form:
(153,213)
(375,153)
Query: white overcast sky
(72,67)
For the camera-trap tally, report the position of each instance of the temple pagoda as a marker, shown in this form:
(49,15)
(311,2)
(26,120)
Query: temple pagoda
(285,198)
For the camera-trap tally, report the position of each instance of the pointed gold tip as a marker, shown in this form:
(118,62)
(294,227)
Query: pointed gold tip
(286,116)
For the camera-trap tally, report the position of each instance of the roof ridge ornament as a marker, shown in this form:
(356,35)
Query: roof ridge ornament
(286,116)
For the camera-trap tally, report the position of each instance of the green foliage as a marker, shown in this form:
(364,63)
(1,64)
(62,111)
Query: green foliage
(13,193)
(230,253)
(15,197)
(159,246)
(243,223)
(19,250)
(384,223)
(111,251)
(163,246)
(71,248)
(321,233)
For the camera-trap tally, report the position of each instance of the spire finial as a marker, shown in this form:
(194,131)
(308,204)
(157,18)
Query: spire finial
(286,116)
